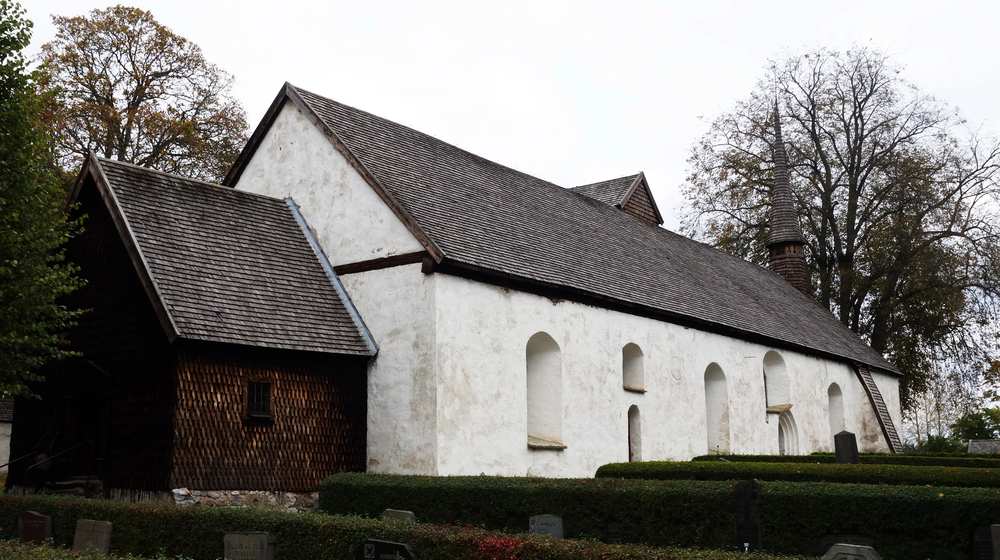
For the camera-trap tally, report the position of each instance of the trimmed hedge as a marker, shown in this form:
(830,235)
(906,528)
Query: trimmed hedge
(903,522)
(986,462)
(197,532)
(14,550)
(683,513)
(805,472)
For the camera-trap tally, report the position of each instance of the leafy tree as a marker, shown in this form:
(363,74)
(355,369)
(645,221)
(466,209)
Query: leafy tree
(33,226)
(130,89)
(899,214)
(981,424)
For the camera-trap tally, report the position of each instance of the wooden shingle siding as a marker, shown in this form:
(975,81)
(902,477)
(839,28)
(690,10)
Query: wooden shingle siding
(640,206)
(317,426)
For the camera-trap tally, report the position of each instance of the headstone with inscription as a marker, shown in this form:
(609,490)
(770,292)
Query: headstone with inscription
(376,549)
(851,552)
(254,545)
(846,447)
(93,536)
(546,524)
(984,446)
(34,527)
(399,515)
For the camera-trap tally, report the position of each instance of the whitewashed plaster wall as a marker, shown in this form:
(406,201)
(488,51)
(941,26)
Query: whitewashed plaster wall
(481,387)
(295,159)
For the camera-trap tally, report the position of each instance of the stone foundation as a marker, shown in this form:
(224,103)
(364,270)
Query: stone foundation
(286,501)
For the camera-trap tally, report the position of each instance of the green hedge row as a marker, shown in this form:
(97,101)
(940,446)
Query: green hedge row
(197,532)
(794,518)
(805,472)
(14,550)
(986,462)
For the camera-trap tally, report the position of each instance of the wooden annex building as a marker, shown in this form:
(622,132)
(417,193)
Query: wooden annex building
(218,351)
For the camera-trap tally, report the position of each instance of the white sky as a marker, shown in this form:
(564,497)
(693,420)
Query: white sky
(572,92)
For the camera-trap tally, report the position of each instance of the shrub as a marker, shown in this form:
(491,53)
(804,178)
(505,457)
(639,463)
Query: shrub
(805,472)
(13,550)
(986,462)
(152,530)
(902,521)
(683,513)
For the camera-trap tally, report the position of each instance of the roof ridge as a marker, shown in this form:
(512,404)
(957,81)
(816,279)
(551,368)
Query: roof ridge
(632,176)
(201,182)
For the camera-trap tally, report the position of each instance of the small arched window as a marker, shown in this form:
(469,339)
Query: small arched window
(634,435)
(835,404)
(776,383)
(544,392)
(716,409)
(633,375)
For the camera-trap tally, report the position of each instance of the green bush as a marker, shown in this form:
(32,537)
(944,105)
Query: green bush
(978,461)
(14,550)
(196,532)
(674,514)
(805,472)
(903,522)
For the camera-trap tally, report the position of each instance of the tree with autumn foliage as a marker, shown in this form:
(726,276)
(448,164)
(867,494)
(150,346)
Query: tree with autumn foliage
(130,89)
(898,203)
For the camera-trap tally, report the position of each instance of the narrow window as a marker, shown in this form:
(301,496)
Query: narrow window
(259,399)
(835,403)
(634,435)
(776,382)
(544,392)
(633,377)
(716,409)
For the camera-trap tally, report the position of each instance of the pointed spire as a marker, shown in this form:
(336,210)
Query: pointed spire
(785,242)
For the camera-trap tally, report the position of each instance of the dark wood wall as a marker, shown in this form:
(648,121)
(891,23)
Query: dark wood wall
(318,427)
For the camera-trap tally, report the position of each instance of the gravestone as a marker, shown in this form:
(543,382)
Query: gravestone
(255,545)
(984,446)
(846,446)
(546,524)
(851,552)
(982,544)
(995,534)
(747,525)
(91,535)
(34,527)
(399,515)
(376,549)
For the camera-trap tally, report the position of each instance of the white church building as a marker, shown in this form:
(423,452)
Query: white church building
(524,328)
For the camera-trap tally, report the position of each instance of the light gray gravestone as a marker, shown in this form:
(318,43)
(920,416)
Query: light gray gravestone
(546,524)
(34,527)
(851,552)
(254,545)
(93,536)
(846,447)
(984,446)
(399,515)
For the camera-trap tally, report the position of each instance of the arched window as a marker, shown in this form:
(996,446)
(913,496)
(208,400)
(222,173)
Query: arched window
(776,382)
(544,374)
(788,435)
(633,378)
(634,435)
(717,409)
(835,404)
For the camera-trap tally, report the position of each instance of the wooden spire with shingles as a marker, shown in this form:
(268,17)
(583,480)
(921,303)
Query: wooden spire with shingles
(785,242)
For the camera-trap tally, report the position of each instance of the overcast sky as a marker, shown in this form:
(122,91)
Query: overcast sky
(572,92)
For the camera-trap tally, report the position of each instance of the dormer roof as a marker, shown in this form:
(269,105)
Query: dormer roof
(629,193)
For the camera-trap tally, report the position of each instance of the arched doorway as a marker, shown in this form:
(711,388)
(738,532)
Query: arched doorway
(835,404)
(788,435)
(634,435)
(716,409)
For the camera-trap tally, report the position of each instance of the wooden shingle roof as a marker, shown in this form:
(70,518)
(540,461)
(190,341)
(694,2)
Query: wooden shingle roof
(481,218)
(229,266)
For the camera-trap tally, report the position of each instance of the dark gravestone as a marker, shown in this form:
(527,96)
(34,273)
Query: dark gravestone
(546,524)
(846,446)
(982,544)
(399,515)
(747,527)
(375,549)
(93,536)
(851,552)
(34,527)
(248,546)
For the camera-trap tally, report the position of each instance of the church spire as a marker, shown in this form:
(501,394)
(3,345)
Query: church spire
(785,242)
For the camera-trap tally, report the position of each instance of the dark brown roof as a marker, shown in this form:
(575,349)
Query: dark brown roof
(231,266)
(473,213)
(782,217)
(630,193)
(611,192)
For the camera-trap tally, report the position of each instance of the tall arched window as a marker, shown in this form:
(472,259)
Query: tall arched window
(544,375)
(835,404)
(716,409)
(634,435)
(776,382)
(633,376)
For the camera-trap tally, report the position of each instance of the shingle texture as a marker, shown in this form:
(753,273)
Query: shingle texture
(783,220)
(611,192)
(231,266)
(483,214)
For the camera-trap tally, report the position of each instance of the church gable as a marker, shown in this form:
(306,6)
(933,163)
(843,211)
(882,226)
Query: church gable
(290,155)
(629,193)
